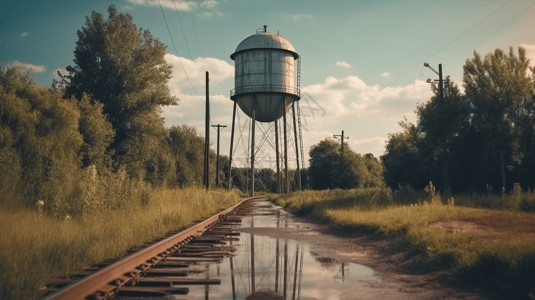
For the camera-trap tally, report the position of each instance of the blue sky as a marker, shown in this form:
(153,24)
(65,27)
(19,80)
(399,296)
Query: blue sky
(362,61)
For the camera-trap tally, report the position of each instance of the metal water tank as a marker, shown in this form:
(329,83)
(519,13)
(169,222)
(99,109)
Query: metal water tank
(265,76)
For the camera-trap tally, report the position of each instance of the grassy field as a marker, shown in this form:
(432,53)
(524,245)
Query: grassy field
(37,248)
(490,248)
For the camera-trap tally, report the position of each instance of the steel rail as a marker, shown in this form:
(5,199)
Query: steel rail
(101,282)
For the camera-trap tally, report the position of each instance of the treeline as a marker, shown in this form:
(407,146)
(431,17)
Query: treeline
(481,139)
(57,152)
(95,140)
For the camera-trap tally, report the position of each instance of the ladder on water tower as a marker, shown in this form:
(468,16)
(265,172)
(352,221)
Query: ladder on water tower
(300,136)
(299,113)
(299,76)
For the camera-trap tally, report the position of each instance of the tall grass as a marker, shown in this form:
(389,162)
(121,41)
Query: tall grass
(37,248)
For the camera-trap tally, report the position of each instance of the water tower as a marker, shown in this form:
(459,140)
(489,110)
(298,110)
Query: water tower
(266,87)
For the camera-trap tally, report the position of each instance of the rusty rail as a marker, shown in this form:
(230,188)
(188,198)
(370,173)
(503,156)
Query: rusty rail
(104,282)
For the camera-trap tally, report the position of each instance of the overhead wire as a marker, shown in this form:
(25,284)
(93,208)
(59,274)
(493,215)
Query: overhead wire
(196,37)
(212,103)
(176,51)
(185,39)
(501,28)
(452,41)
(468,30)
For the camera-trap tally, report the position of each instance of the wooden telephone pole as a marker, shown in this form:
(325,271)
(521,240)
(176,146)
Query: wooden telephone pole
(219,128)
(206,177)
(341,136)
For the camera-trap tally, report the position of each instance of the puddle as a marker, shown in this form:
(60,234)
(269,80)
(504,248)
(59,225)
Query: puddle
(273,262)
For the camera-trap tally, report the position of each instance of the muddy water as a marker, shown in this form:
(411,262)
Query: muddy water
(281,257)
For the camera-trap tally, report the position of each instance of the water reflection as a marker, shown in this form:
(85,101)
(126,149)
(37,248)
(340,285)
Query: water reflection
(267,265)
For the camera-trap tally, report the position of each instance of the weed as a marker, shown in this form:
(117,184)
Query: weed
(37,248)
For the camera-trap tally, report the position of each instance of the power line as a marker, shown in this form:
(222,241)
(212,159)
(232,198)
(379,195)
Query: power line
(196,37)
(176,51)
(452,41)
(468,30)
(185,40)
(523,11)
(213,104)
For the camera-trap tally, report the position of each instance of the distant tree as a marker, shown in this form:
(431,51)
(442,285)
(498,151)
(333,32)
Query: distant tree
(187,149)
(266,180)
(329,168)
(375,173)
(525,174)
(123,68)
(499,89)
(440,122)
(402,159)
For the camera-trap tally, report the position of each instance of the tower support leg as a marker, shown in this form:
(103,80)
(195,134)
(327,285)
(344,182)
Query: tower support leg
(286,175)
(231,147)
(277,157)
(253,120)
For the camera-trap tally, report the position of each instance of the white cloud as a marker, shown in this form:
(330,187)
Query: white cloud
(366,112)
(207,15)
(24,34)
(374,145)
(187,70)
(190,109)
(386,75)
(530,53)
(209,4)
(343,64)
(27,67)
(182,5)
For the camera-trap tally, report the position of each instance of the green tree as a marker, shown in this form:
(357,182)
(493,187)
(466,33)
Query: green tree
(440,122)
(526,132)
(97,134)
(402,159)
(187,149)
(329,168)
(123,68)
(39,143)
(375,169)
(498,88)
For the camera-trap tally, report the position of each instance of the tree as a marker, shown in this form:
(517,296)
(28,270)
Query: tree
(482,141)
(402,159)
(124,69)
(440,122)
(329,168)
(97,134)
(39,143)
(498,88)
(187,153)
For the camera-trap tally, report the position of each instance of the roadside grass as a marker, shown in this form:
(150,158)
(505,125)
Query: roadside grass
(37,249)
(486,247)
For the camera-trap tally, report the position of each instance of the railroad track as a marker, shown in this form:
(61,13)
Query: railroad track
(162,268)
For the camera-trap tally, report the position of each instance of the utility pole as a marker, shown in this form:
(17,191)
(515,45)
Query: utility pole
(219,128)
(341,136)
(445,146)
(206,176)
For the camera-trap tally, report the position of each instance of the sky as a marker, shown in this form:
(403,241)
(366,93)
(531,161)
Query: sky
(361,61)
